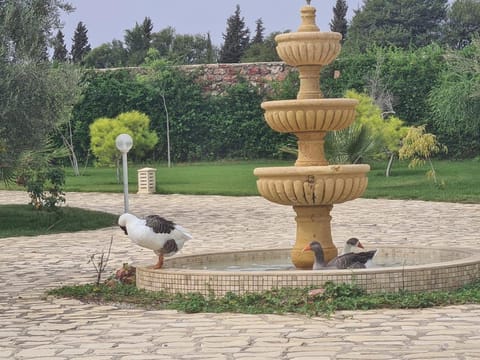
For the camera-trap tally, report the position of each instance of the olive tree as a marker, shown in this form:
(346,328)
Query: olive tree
(32,97)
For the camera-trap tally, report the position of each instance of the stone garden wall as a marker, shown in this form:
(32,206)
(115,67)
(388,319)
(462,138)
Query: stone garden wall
(218,77)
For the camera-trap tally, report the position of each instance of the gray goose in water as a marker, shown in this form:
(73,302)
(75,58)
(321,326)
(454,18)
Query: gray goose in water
(154,232)
(349,260)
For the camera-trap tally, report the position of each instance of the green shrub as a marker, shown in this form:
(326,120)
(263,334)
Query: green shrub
(104,131)
(43,177)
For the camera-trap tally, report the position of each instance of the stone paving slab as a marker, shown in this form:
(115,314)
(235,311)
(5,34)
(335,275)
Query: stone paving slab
(33,327)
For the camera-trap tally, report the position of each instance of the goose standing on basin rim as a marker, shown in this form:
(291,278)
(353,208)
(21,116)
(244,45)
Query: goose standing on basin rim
(156,233)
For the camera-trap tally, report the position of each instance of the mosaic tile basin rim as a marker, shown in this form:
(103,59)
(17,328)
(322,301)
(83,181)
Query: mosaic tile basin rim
(459,256)
(442,269)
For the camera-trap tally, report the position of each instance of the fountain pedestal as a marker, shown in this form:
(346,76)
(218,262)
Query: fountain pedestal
(312,186)
(313,223)
(310,149)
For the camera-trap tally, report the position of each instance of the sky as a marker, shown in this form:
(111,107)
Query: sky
(108,19)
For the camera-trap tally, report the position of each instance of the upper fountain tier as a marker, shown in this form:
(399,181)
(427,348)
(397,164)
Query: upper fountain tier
(308,49)
(308,46)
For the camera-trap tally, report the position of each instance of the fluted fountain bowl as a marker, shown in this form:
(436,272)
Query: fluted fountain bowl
(312,185)
(308,48)
(293,116)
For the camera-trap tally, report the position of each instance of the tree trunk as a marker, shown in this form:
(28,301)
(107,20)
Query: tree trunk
(68,142)
(390,163)
(433,172)
(74,161)
(168,131)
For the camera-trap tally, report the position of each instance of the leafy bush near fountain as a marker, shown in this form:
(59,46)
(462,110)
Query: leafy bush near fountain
(332,298)
(427,85)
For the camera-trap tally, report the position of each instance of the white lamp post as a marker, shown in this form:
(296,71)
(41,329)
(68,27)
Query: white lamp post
(124,143)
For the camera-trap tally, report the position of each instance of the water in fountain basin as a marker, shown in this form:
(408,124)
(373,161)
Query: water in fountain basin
(277,264)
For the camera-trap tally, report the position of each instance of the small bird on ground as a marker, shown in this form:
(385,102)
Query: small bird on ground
(156,233)
(349,260)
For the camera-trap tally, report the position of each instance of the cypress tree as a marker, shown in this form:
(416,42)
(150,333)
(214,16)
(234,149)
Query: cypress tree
(138,41)
(147,27)
(80,45)
(339,21)
(210,52)
(258,38)
(237,38)
(60,49)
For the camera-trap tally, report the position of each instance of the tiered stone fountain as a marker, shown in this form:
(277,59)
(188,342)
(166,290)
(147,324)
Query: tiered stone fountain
(312,186)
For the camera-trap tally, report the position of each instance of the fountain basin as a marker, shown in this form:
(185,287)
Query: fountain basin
(293,116)
(308,48)
(414,269)
(312,185)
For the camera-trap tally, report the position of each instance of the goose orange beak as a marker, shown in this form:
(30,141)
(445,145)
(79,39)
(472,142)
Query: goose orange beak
(307,248)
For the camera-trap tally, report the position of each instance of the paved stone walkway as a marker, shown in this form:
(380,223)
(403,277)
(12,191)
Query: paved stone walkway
(33,327)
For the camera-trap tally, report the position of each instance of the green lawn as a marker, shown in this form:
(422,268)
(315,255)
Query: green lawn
(235,178)
(461,180)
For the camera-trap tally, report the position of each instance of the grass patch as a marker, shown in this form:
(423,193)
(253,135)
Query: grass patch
(23,220)
(235,178)
(231,178)
(278,301)
(461,180)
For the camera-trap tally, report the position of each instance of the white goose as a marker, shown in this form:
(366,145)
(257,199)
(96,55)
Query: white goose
(162,236)
(352,245)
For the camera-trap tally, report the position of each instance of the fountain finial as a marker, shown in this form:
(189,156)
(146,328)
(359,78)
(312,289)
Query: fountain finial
(308,18)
